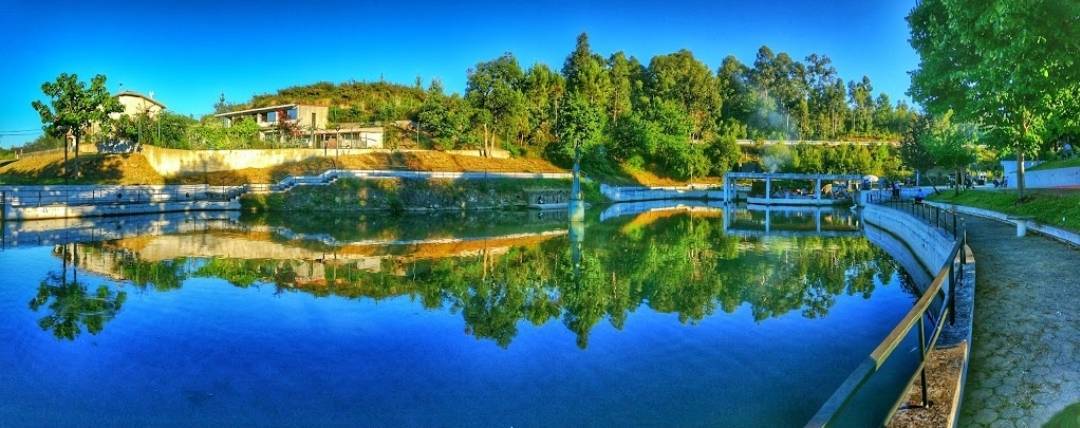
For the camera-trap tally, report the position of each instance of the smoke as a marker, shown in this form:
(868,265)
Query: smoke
(768,115)
(776,156)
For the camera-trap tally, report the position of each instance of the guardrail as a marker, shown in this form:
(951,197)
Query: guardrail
(943,285)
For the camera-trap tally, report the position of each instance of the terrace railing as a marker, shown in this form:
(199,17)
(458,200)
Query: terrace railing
(941,289)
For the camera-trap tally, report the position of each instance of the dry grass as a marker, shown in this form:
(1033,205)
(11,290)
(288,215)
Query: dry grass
(94,168)
(648,178)
(424,161)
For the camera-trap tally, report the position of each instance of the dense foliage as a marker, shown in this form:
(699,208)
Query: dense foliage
(674,113)
(1012,67)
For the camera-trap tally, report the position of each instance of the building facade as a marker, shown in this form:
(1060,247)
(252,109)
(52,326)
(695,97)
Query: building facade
(306,125)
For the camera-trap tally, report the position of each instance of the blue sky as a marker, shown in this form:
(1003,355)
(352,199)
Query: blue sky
(189,52)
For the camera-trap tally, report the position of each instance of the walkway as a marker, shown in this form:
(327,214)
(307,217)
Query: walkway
(1025,359)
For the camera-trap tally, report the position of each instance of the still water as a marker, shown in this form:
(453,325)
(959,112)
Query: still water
(650,314)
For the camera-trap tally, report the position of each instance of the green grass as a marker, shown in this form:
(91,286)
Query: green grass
(1060,163)
(1060,208)
(1068,418)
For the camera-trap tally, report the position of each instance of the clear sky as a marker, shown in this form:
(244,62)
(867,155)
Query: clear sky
(189,52)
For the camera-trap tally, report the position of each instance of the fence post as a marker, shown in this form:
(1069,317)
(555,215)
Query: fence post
(922,358)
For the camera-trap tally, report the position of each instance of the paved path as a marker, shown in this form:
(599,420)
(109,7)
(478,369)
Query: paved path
(1025,358)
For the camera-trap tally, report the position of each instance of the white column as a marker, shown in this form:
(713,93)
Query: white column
(817,190)
(768,210)
(768,188)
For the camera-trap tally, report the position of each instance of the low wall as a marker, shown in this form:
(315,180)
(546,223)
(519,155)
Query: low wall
(629,194)
(98,194)
(906,237)
(930,245)
(170,162)
(1062,235)
(1050,178)
(15,213)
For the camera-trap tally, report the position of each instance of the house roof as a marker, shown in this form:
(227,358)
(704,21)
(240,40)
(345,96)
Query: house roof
(255,110)
(139,95)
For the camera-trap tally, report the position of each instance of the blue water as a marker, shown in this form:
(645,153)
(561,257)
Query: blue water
(399,348)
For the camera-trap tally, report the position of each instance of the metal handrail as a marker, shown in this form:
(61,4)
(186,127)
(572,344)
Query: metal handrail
(948,274)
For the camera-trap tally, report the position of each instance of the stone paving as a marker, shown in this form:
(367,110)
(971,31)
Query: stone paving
(1025,358)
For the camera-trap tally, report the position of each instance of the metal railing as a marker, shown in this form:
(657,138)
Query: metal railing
(943,285)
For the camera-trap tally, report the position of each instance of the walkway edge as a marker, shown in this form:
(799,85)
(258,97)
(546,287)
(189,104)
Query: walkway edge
(1068,237)
(949,392)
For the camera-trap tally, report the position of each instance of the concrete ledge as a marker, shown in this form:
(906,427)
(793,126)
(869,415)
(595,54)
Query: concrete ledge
(947,362)
(1071,238)
(18,213)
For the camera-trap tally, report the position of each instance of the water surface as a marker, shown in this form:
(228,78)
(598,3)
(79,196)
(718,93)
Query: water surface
(657,315)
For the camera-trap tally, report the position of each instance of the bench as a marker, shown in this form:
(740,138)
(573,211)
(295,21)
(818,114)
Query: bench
(1021,223)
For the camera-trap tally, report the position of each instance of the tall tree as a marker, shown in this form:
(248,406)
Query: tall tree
(585,73)
(626,74)
(1009,65)
(543,90)
(73,109)
(682,79)
(493,89)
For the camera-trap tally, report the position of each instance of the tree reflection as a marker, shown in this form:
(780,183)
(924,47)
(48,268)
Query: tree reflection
(71,304)
(677,264)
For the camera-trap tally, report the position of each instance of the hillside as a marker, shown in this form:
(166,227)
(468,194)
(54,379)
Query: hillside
(134,168)
(95,168)
(356,102)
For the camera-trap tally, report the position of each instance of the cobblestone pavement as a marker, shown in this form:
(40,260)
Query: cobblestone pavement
(1025,358)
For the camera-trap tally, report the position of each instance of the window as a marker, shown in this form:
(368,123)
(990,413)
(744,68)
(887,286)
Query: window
(271,117)
(292,113)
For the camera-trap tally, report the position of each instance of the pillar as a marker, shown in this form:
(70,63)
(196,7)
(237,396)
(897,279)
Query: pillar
(817,220)
(817,190)
(768,188)
(768,218)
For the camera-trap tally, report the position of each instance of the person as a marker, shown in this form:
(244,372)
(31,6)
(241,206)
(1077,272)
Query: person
(918,196)
(1067,150)
(896,190)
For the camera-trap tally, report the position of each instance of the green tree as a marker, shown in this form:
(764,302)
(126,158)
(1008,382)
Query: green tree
(723,154)
(915,147)
(585,73)
(493,89)
(1008,65)
(73,108)
(953,146)
(580,127)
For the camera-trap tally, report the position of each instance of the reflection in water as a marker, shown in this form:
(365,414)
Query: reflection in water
(501,269)
(70,305)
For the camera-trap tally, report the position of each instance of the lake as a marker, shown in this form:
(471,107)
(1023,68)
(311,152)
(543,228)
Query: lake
(653,314)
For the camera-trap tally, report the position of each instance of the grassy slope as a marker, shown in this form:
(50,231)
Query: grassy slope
(95,168)
(1060,163)
(1059,208)
(134,169)
(424,161)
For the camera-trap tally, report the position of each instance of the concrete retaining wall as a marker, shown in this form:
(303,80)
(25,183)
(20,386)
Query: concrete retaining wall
(14,213)
(1050,178)
(99,194)
(628,194)
(170,162)
(930,245)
